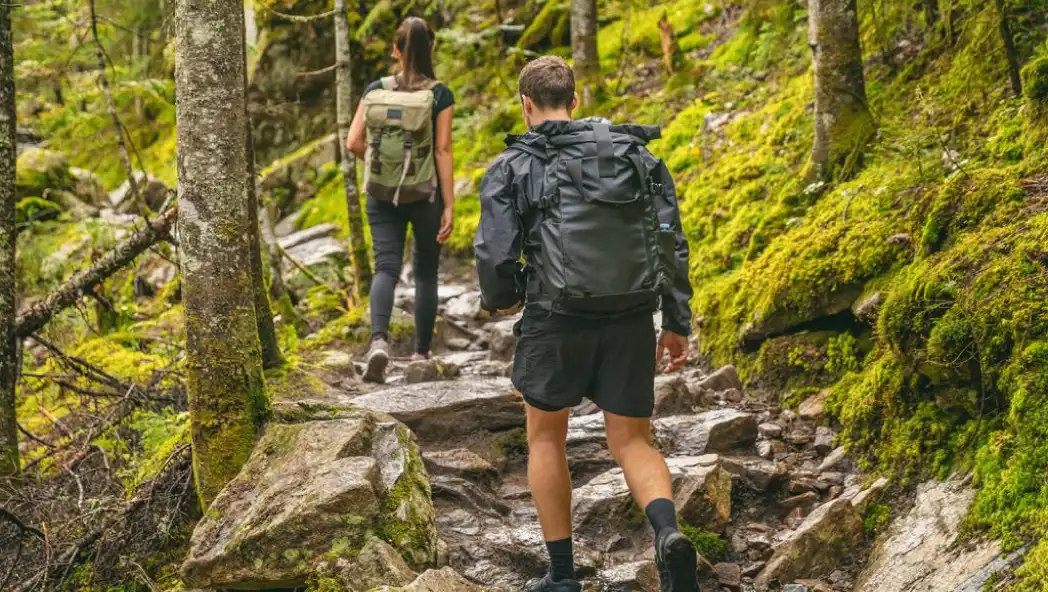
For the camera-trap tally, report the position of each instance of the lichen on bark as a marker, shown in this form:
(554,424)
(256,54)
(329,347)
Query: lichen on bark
(224,378)
(843,123)
(8,351)
(584,47)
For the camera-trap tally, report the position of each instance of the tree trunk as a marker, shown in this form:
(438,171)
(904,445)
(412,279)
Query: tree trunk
(267,330)
(344,89)
(227,399)
(8,345)
(843,123)
(1010,53)
(670,49)
(584,47)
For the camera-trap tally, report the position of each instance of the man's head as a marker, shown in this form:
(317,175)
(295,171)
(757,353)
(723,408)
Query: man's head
(547,90)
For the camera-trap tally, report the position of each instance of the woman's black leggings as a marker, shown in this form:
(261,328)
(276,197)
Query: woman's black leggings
(389,226)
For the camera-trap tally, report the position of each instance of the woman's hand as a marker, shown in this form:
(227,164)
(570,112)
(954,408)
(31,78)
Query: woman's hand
(447,224)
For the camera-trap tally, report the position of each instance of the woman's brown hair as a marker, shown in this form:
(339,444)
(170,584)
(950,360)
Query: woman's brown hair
(414,40)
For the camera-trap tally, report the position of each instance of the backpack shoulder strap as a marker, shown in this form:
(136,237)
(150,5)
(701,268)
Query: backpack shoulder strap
(531,150)
(605,149)
(389,83)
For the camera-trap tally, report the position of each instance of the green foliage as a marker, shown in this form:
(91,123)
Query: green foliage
(711,546)
(876,518)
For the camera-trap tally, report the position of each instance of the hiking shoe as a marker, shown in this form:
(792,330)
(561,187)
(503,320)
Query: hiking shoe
(419,357)
(377,360)
(547,584)
(677,561)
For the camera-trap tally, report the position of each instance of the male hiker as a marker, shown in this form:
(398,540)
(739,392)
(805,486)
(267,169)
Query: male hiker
(579,224)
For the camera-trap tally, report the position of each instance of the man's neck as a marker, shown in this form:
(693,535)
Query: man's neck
(540,117)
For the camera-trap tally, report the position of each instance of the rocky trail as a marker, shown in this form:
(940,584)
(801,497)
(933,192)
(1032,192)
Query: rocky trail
(337,492)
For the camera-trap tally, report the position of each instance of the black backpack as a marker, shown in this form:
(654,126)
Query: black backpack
(602,248)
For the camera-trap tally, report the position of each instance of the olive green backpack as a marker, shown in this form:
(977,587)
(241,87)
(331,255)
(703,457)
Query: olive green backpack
(399,165)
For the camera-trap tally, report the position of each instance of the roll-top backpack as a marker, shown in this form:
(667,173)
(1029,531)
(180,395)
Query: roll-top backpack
(399,165)
(602,247)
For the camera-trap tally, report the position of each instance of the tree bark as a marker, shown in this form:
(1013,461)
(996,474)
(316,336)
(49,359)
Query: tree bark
(267,330)
(36,316)
(584,47)
(9,464)
(1010,53)
(670,50)
(227,399)
(843,123)
(344,90)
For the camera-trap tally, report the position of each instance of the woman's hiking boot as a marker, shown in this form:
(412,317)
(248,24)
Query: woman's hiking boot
(377,360)
(677,561)
(547,584)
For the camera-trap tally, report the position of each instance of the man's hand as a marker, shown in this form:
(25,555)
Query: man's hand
(677,346)
(447,224)
(508,312)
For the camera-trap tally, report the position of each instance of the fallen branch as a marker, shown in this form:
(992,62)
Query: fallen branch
(37,315)
(305,270)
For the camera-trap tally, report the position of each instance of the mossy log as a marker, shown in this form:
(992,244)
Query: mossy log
(224,381)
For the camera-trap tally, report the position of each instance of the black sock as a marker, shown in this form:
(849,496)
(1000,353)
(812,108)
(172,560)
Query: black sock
(662,515)
(561,559)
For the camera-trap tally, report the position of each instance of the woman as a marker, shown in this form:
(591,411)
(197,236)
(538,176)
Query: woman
(431,219)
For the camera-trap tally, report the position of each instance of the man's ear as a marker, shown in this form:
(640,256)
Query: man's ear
(527,106)
(574,103)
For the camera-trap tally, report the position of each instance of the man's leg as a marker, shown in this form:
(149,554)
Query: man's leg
(551,485)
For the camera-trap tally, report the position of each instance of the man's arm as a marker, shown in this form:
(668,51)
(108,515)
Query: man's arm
(676,310)
(499,240)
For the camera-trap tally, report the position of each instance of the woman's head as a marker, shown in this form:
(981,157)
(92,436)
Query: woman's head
(413,46)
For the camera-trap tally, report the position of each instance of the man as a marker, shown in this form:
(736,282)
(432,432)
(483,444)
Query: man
(572,201)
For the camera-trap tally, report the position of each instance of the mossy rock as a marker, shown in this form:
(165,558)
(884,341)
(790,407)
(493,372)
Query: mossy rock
(39,170)
(35,209)
(309,499)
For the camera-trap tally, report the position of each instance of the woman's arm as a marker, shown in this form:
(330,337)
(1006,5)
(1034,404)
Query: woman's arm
(445,172)
(356,140)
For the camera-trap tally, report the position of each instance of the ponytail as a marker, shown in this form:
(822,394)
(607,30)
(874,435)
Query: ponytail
(414,40)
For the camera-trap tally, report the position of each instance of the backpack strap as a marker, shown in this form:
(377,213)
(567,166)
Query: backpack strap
(605,149)
(390,83)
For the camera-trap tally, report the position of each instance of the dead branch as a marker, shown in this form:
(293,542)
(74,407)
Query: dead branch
(103,82)
(319,72)
(36,316)
(305,270)
(298,19)
(22,527)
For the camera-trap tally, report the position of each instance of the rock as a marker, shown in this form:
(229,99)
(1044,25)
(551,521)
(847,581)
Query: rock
(587,444)
(722,380)
(89,187)
(458,343)
(729,575)
(308,499)
(151,190)
(441,580)
(765,450)
(465,306)
(460,463)
(38,170)
(672,396)
(867,307)
(803,499)
(310,234)
(446,292)
(702,493)
(377,564)
(640,576)
(769,430)
(815,585)
(720,430)
(824,437)
(733,395)
(501,340)
(317,252)
(756,473)
(430,371)
(338,362)
(833,459)
(288,224)
(828,535)
(449,409)
(814,406)
(794,588)
(862,498)
(919,552)
(752,569)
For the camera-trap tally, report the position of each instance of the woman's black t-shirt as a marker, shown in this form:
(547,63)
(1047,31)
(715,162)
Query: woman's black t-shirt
(442,98)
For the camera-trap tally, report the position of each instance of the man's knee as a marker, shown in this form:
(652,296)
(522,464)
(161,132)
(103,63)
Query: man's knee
(549,428)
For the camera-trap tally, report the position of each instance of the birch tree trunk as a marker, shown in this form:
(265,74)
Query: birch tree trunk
(584,47)
(8,349)
(227,399)
(267,330)
(358,247)
(843,123)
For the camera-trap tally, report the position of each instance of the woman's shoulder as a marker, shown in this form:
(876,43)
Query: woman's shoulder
(443,95)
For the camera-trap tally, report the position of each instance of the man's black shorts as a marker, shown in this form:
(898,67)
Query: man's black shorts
(561,359)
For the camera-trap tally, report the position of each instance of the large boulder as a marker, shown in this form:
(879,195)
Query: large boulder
(919,551)
(701,491)
(721,430)
(39,170)
(307,501)
(450,409)
(829,534)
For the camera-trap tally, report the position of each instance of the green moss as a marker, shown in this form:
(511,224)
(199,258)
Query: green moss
(876,518)
(541,29)
(711,546)
(39,170)
(35,209)
(407,521)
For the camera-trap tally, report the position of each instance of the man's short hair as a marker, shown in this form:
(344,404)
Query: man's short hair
(549,83)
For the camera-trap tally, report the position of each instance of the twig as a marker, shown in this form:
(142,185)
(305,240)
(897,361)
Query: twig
(305,270)
(296,18)
(319,72)
(103,82)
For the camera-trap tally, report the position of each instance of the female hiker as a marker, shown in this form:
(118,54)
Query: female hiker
(402,130)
